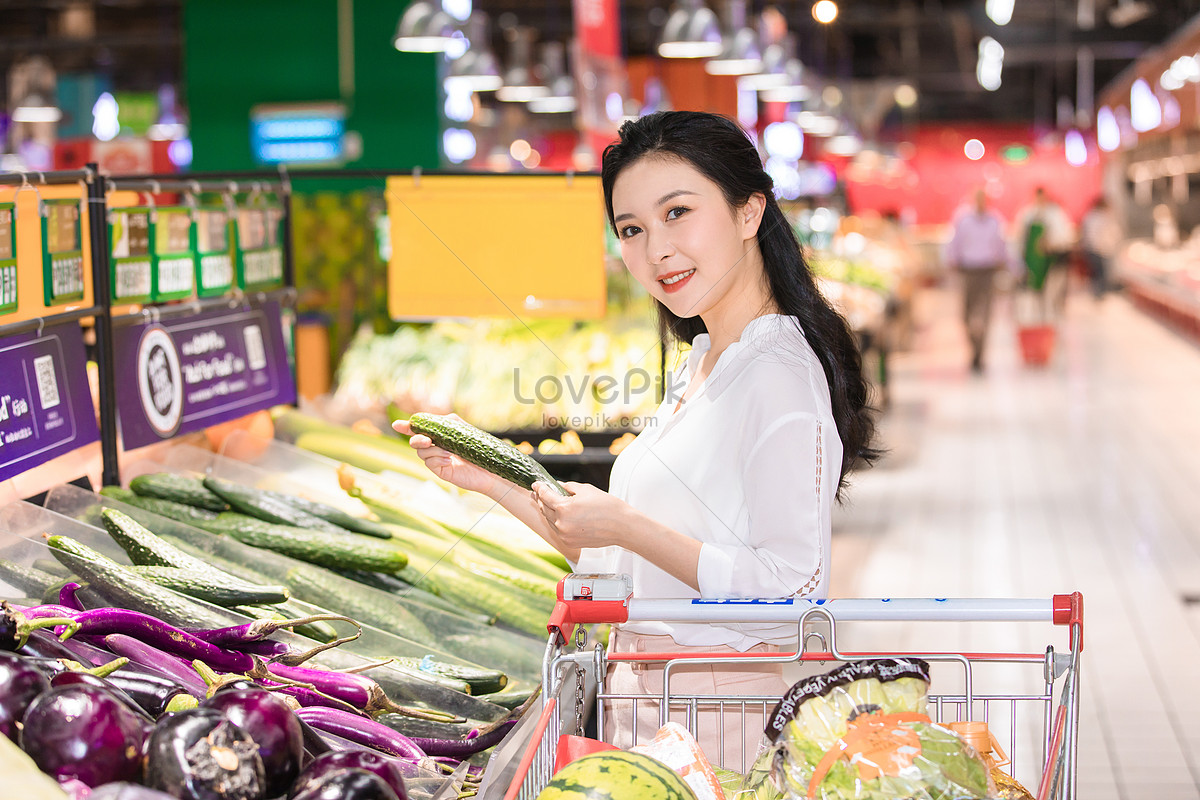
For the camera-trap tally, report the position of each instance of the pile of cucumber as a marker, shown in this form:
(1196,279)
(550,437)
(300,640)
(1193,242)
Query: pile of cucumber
(404,574)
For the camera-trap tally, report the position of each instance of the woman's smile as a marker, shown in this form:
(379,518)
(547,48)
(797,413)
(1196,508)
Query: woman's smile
(674,281)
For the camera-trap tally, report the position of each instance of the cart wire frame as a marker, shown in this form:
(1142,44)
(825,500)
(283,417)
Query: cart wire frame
(594,599)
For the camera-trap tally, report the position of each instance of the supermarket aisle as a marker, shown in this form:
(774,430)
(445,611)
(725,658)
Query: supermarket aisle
(1029,482)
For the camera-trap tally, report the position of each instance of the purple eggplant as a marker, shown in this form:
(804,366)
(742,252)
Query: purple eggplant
(201,755)
(17,624)
(20,683)
(173,667)
(237,635)
(126,791)
(359,691)
(85,733)
(362,731)
(273,726)
(152,631)
(474,742)
(70,678)
(348,784)
(385,767)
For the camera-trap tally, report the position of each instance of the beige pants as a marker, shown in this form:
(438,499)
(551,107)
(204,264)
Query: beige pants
(728,735)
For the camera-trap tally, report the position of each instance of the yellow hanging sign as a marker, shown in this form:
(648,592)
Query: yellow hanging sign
(519,246)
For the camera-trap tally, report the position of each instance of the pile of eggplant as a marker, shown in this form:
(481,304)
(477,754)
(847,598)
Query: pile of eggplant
(119,705)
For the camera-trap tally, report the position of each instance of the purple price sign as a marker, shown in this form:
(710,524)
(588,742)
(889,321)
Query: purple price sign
(45,404)
(199,370)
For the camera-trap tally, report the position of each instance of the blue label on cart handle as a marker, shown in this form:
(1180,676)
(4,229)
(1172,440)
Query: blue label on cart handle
(743,601)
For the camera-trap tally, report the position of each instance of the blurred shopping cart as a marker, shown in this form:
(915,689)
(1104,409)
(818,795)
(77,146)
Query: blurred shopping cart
(1030,700)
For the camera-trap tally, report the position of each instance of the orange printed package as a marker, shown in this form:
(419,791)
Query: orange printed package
(674,746)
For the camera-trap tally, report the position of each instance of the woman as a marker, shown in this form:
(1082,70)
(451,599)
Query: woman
(728,490)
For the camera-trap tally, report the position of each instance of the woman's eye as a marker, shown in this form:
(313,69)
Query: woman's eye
(676,212)
(629,230)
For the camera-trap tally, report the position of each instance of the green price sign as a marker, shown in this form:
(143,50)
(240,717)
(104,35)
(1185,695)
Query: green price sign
(8,258)
(215,257)
(130,258)
(62,252)
(174,254)
(260,246)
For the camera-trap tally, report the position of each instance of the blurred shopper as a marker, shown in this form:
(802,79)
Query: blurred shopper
(1099,235)
(730,492)
(977,250)
(1044,237)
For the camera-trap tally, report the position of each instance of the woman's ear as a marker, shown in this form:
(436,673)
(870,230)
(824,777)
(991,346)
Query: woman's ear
(750,215)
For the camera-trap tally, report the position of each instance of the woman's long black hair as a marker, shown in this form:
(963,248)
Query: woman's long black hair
(721,151)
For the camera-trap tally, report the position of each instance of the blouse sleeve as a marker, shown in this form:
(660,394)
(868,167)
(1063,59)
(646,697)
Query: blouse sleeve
(783,555)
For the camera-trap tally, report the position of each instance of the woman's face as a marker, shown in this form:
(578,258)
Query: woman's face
(680,238)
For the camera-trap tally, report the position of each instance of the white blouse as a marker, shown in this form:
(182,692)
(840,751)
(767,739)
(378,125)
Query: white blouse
(748,466)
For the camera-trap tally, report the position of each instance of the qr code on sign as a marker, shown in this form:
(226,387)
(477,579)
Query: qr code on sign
(47,383)
(256,354)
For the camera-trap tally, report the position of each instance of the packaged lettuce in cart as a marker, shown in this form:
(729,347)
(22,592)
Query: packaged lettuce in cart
(860,732)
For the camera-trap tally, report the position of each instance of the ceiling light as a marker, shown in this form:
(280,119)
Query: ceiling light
(973,149)
(35,108)
(774,71)
(999,11)
(1144,109)
(477,70)
(1108,133)
(825,11)
(1127,12)
(741,55)
(793,89)
(906,96)
(1076,148)
(990,63)
(561,96)
(692,31)
(424,28)
(521,83)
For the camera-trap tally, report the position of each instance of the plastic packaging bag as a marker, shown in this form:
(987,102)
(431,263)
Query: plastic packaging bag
(860,732)
(674,746)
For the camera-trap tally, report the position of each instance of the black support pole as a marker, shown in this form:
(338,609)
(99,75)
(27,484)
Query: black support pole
(102,297)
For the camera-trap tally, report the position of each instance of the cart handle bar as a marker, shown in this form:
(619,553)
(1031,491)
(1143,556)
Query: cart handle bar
(821,655)
(586,599)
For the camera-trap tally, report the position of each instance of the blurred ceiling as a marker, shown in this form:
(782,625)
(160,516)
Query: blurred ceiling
(931,44)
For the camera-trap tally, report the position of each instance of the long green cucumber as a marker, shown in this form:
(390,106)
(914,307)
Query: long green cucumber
(219,592)
(258,503)
(483,450)
(334,516)
(338,551)
(522,580)
(124,588)
(482,681)
(189,515)
(30,580)
(513,606)
(394,584)
(323,588)
(178,489)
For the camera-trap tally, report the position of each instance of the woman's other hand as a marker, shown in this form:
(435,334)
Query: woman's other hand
(446,465)
(588,518)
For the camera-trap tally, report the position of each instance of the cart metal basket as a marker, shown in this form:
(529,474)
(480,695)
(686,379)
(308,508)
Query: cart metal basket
(1030,700)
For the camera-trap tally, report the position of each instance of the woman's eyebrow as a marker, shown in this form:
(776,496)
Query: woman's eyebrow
(661,201)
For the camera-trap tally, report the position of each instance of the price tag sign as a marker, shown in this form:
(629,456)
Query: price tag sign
(199,370)
(45,405)
(174,253)
(8,257)
(213,231)
(130,257)
(62,252)
(260,246)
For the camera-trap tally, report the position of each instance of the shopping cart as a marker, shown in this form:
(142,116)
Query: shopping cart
(1036,712)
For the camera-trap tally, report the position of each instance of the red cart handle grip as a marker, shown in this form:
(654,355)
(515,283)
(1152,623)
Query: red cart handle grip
(589,599)
(1068,610)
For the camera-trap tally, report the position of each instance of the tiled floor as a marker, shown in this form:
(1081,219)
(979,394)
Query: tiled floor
(1083,475)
